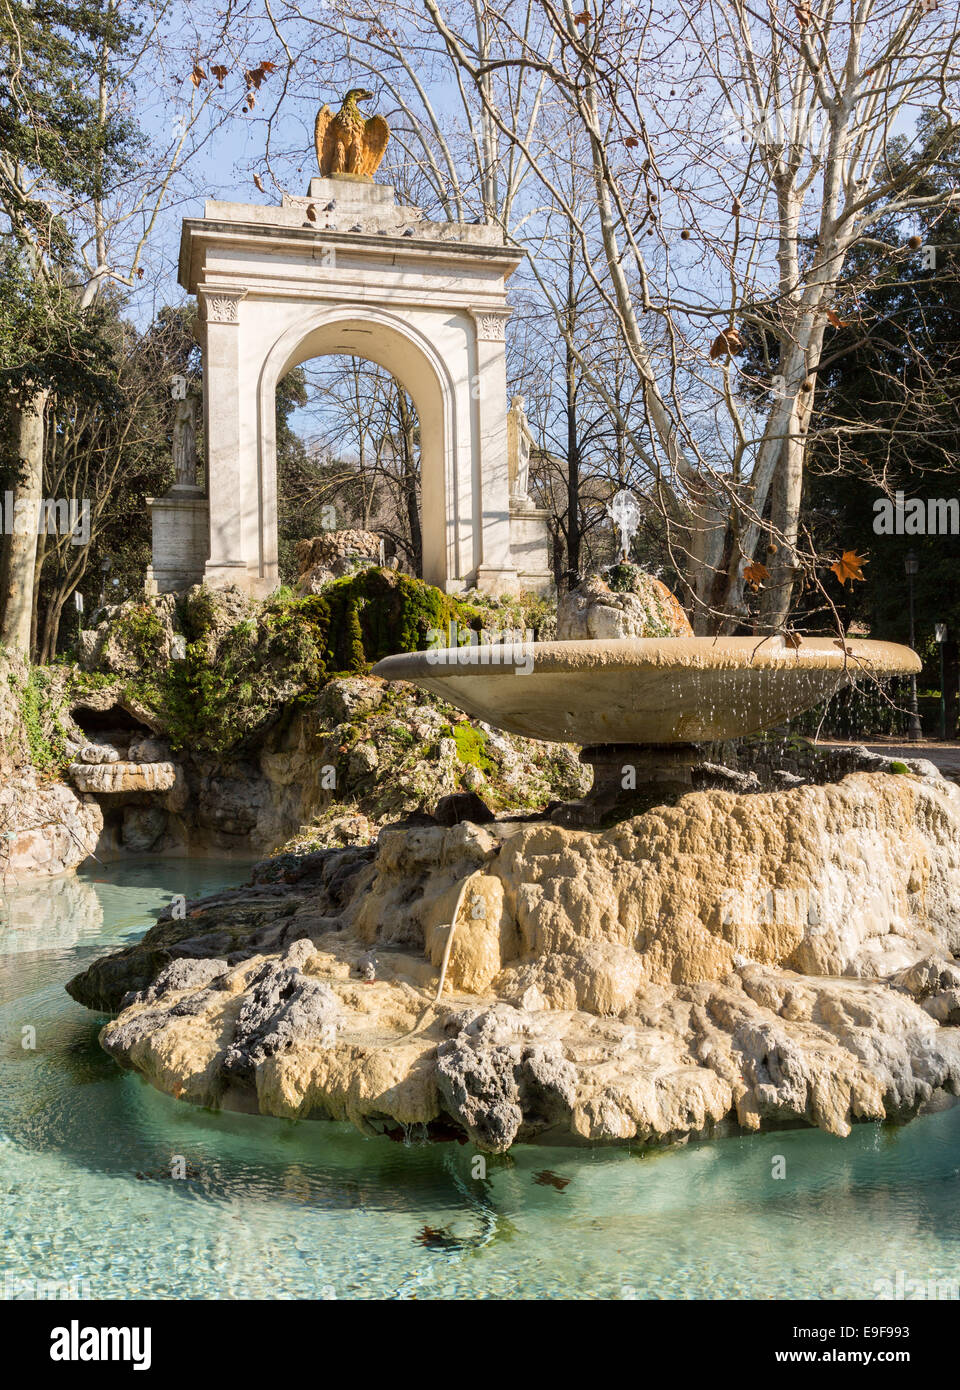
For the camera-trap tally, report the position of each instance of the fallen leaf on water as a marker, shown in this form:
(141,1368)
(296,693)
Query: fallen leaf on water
(548,1178)
(438,1238)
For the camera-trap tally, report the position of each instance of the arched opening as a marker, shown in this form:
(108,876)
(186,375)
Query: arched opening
(385,341)
(348,459)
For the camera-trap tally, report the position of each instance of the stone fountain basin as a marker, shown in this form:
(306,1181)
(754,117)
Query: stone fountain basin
(645,689)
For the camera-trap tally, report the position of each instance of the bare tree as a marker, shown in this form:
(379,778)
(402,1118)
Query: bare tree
(738,157)
(84,215)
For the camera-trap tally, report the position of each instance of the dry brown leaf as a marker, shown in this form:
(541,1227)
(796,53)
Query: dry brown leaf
(725,343)
(835,319)
(755,574)
(312,212)
(198,75)
(849,566)
(631,142)
(219,72)
(793,639)
(257,180)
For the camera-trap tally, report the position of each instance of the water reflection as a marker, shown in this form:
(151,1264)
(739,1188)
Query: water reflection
(48,915)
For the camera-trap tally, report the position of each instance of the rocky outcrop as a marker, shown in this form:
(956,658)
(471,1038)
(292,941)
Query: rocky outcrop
(644,607)
(117,643)
(333,555)
(620,985)
(275,747)
(45,827)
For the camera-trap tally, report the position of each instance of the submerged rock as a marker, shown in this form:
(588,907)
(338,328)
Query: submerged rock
(744,961)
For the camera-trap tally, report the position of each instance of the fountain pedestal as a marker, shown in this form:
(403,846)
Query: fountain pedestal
(627,776)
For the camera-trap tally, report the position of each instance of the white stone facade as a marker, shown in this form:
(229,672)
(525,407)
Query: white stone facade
(346,270)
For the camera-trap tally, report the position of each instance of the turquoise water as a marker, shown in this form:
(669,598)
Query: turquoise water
(275,1210)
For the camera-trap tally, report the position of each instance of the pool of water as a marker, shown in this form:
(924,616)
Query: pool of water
(270,1209)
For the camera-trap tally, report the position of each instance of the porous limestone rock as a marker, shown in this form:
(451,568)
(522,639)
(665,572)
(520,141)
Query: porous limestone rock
(45,827)
(647,609)
(115,643)
(149,750)
(142,828)
(731,961)
(123,776)
(96,753)
(349,697)
(333,555)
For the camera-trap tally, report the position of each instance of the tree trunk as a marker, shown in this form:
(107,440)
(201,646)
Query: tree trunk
(573,442)
(51,626)
(20,568)
(784,520)
(573,476)
(412,501)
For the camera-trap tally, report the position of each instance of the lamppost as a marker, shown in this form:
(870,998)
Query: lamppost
(914,728)
(940,637)
(105,566)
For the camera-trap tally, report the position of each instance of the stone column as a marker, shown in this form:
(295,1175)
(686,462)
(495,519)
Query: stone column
(497,572)
(227,477)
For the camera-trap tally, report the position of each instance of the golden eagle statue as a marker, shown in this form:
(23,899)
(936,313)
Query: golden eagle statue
(349,142)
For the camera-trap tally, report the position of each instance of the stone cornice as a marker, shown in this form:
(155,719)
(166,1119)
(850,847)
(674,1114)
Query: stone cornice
(200,231)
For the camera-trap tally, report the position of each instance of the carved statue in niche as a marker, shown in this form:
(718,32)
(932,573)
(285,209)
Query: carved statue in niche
(519,445)
(184,446)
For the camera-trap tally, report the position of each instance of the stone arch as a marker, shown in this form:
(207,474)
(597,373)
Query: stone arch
(392,342)
(346,268)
